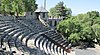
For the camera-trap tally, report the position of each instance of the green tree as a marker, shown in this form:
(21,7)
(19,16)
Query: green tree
(53,12)
(83,27)
(30,5)
(69,28)
(17,7)
(60,10)
(5,6)
(74,37)
(93,14)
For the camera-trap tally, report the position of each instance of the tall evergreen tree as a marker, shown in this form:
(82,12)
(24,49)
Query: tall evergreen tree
(60,10)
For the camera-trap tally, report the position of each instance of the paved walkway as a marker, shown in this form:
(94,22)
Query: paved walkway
(85,52)
(97,49)
(88,51)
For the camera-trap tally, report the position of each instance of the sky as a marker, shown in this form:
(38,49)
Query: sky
(77,6)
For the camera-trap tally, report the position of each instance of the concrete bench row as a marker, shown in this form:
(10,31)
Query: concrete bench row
(13,35)
(25,36)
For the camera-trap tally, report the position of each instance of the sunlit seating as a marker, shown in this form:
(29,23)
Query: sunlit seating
(17,34)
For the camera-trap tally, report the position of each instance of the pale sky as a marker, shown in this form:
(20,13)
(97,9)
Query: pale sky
(77,6)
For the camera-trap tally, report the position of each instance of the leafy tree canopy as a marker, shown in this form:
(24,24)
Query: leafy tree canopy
(83,27)
(12,7)
(60,11)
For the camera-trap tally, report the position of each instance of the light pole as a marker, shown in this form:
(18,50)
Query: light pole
(45,4)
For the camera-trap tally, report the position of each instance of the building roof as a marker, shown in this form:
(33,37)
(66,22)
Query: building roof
(41,9)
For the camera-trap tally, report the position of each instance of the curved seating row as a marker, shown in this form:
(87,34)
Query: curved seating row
(17,35)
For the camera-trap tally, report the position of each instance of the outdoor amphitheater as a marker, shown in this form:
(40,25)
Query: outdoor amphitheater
(49,27)
(26,35)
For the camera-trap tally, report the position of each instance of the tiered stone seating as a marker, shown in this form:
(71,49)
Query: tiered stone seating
(57,37)
(49,45)
(22,35)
